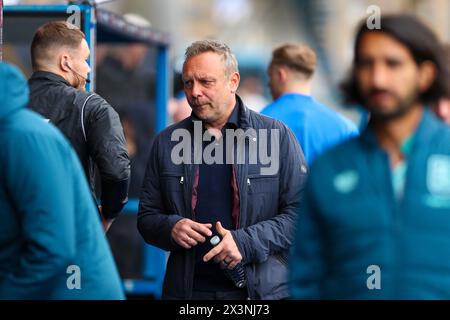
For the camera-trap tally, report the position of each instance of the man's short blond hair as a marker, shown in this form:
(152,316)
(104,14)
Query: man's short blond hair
(298,57)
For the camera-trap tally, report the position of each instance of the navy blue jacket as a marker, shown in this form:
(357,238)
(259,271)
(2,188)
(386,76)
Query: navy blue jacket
(264,221)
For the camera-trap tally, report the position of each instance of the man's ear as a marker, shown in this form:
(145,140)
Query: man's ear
(63,62)
(282,73)
(234,81)
(427,75)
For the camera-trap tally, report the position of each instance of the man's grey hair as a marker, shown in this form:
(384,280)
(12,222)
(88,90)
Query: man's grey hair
(202,46)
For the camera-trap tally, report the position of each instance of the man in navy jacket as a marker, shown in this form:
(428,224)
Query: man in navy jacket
(245,189)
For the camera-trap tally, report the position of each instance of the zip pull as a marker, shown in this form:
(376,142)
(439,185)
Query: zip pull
(248,182)
(181,180)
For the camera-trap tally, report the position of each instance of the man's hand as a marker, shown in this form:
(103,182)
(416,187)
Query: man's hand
(188,233)
(105,222)
(226,252)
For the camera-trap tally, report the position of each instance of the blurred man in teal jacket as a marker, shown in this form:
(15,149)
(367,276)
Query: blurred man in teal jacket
(52,245)
(375,221)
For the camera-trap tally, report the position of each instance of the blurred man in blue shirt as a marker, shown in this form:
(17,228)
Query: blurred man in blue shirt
(316,126)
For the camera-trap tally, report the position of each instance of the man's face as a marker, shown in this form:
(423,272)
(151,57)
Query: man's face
(209,91)
(274,81)
(79,64)
(387,76)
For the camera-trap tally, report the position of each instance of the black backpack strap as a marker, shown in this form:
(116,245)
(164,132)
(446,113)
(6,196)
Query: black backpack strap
(82,115)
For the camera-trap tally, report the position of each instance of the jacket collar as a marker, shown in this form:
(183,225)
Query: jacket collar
(244,114)
(239,117)
(427,126)
(48,76)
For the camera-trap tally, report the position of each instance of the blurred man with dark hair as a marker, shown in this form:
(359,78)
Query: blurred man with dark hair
(316,126)
(375,221)
(58,53)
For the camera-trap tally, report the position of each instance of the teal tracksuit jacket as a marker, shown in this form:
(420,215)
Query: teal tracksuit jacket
(52,245)
(356,240)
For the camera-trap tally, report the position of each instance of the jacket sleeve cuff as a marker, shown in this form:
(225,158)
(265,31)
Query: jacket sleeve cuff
(173,219)
(114,197)
(244,248)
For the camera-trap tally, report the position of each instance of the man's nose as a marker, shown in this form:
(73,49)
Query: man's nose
(380,76)
(196,90)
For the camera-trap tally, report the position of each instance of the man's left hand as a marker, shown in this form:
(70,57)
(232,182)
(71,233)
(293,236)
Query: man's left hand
(226,252)
(105,222)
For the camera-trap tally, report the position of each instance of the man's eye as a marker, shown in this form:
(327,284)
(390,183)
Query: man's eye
(393,63)
(364,63)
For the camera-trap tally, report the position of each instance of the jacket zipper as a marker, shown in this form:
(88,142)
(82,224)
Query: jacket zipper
(251,266)
(395,210)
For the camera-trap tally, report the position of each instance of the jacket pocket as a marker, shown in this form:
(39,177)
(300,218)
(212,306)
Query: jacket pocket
(262,184)
(172,187)
(271,279)
(283,259)
(172,181)
(262,198)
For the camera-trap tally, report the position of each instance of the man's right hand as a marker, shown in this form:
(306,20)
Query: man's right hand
(188,233)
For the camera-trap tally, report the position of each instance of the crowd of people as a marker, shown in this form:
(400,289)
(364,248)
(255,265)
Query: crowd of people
(304,204)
